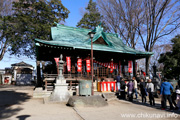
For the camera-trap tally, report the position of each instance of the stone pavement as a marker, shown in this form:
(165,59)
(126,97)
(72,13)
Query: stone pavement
(16,103)
(125,110)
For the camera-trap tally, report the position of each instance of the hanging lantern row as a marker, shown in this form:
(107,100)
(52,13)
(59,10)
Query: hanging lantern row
(110,65)
(49,46)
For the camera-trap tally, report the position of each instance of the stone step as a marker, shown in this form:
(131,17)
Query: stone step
(109,96)
(40,93)
(50,88)
(90,101)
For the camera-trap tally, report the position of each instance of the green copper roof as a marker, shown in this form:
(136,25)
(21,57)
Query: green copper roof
(78,38)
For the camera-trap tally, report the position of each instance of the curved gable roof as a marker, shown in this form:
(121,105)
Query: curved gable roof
(78,38)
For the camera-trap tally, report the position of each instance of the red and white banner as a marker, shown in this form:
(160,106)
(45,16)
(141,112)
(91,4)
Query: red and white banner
(57,64)
(68,60)
(79,65)
(111,67)
(57,60)
(88,65)
(107,86)
(130,66)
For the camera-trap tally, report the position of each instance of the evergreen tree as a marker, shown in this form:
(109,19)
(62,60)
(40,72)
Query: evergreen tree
(171,60)
(92,18)
(32,19)
(5,27)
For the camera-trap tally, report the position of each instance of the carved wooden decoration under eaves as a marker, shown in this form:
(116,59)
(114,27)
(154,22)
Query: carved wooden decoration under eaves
(100,41)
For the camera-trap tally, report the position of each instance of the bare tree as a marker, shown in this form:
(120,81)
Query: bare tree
(5,7)
(145,20)
(160,18)
(5,10)
(158,50)
(120,16)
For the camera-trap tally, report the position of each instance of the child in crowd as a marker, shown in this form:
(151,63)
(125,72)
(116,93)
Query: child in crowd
(178,98)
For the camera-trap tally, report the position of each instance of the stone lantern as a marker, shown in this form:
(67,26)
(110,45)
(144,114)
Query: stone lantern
(60,93)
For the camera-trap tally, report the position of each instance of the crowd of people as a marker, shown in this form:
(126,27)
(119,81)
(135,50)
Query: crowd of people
(130,89)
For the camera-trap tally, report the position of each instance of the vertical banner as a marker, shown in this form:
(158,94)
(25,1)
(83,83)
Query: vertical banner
(120,67)
(68,61)
(57,60)
(57,64)
(79,65)
(111,67)
(88,65)
(130,66)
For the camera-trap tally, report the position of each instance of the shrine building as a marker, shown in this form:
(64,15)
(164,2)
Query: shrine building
(111,56)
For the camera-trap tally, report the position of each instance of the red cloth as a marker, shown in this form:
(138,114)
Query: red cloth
(144,74)
(6,81)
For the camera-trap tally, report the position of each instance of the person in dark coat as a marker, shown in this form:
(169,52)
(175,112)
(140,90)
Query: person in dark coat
(130,86)
(123,87)
(179,83)
(174,95)
(166,88)
(118,78)
(143,91)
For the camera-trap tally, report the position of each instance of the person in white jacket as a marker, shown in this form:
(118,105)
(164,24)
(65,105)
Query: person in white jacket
(150,90)
(178,98)
(135,87)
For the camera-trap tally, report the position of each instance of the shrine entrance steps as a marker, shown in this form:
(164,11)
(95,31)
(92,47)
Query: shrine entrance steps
(40,93)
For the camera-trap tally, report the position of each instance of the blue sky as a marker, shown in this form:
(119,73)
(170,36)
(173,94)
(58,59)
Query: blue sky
(75,7)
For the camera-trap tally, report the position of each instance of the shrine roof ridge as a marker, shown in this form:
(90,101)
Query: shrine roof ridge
(81,29)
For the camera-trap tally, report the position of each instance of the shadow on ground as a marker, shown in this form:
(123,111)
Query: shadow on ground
(9,98)
(23,117)
(157,106)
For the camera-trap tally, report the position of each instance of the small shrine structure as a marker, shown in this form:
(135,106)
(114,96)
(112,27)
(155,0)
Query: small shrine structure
(22,73)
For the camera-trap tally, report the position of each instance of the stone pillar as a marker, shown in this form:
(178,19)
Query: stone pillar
(123,69)
(15,74)
(43,65)
(38,70)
